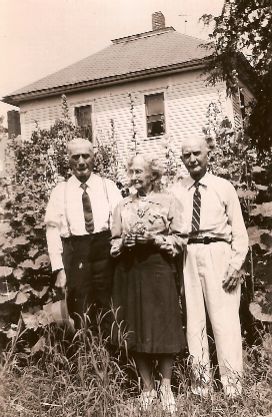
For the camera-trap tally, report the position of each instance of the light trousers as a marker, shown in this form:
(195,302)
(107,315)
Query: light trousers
(204,271)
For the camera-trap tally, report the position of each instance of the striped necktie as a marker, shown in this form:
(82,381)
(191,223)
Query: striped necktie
(87,209)
(196,208)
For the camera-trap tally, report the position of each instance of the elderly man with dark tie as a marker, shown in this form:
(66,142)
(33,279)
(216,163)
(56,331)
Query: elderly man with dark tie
(78,220)
(217,246)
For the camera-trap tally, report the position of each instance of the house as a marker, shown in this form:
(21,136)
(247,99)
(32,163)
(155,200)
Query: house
(149,86)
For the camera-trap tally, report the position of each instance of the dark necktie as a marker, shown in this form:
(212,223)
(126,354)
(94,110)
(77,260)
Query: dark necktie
(196,208)
(87,209)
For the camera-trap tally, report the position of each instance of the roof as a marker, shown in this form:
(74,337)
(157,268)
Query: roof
(146,54)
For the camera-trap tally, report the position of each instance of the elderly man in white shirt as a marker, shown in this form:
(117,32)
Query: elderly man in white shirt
(217,246)
(78,220)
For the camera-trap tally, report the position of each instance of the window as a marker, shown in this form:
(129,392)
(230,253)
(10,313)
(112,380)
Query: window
(242,104)
(155,120)
(83,117)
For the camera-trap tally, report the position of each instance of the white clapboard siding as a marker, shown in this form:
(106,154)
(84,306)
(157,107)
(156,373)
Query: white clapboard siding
(238,121)
(186,96)
(248,96)
(186,106)
(44,116)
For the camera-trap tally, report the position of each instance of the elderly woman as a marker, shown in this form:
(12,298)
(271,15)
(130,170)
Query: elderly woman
(148,233)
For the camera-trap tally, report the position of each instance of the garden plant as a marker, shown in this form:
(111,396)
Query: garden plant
(50,371)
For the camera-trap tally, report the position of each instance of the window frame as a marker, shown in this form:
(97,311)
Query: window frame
(76,109)
(161,116)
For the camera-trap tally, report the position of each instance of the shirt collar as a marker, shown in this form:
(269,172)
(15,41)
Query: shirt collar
(203,181)
(90,181)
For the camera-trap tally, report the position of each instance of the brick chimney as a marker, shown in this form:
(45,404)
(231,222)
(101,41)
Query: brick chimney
(158,21)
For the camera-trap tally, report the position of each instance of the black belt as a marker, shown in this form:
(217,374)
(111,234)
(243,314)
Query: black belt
(206,240)
(90,236)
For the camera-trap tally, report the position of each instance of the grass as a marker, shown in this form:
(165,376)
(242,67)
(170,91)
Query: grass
(82,379)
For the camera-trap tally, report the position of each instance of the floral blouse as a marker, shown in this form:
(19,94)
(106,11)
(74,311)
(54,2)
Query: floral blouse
(160,215)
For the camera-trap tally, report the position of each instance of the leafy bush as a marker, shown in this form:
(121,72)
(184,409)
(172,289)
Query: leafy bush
(235,158)
(36,166)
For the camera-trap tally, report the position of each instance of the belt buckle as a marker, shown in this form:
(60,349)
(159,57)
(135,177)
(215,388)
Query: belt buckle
(206,240)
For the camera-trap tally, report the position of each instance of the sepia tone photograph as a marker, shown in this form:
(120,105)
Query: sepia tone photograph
(135,208)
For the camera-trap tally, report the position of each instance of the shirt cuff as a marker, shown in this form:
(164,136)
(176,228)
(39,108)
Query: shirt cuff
(236,264)
(56,261)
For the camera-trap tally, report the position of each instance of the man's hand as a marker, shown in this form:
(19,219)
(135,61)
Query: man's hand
(232,279)
(61,279)
(116,249)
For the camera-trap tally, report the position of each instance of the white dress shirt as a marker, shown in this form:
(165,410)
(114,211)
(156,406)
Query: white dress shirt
(221,215)
(65,216)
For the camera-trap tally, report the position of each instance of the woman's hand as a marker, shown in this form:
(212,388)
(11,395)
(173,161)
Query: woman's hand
(144,238)
(169,248)
(116,247)
(129,240)
(166,244)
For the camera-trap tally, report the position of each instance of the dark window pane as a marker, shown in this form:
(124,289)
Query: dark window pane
(83,116)
(242,105)
(155,128)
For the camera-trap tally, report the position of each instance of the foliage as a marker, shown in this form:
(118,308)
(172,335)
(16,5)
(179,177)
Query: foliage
(245,27)
(106,157)
(2,128)
(259,125)
(172,162)
(79,377)
(234,158)
(25,278)
(37,165)
(134,142)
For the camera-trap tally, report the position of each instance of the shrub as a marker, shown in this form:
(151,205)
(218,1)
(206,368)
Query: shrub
(235,158)
(37,165)
(35,168)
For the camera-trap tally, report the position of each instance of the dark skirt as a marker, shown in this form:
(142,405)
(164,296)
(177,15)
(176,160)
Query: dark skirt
(146,303)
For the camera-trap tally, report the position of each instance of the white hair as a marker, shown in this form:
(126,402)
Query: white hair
(199,139)
(153,165)
(80,142)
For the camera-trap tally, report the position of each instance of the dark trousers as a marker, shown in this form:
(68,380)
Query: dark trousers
(89,270)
